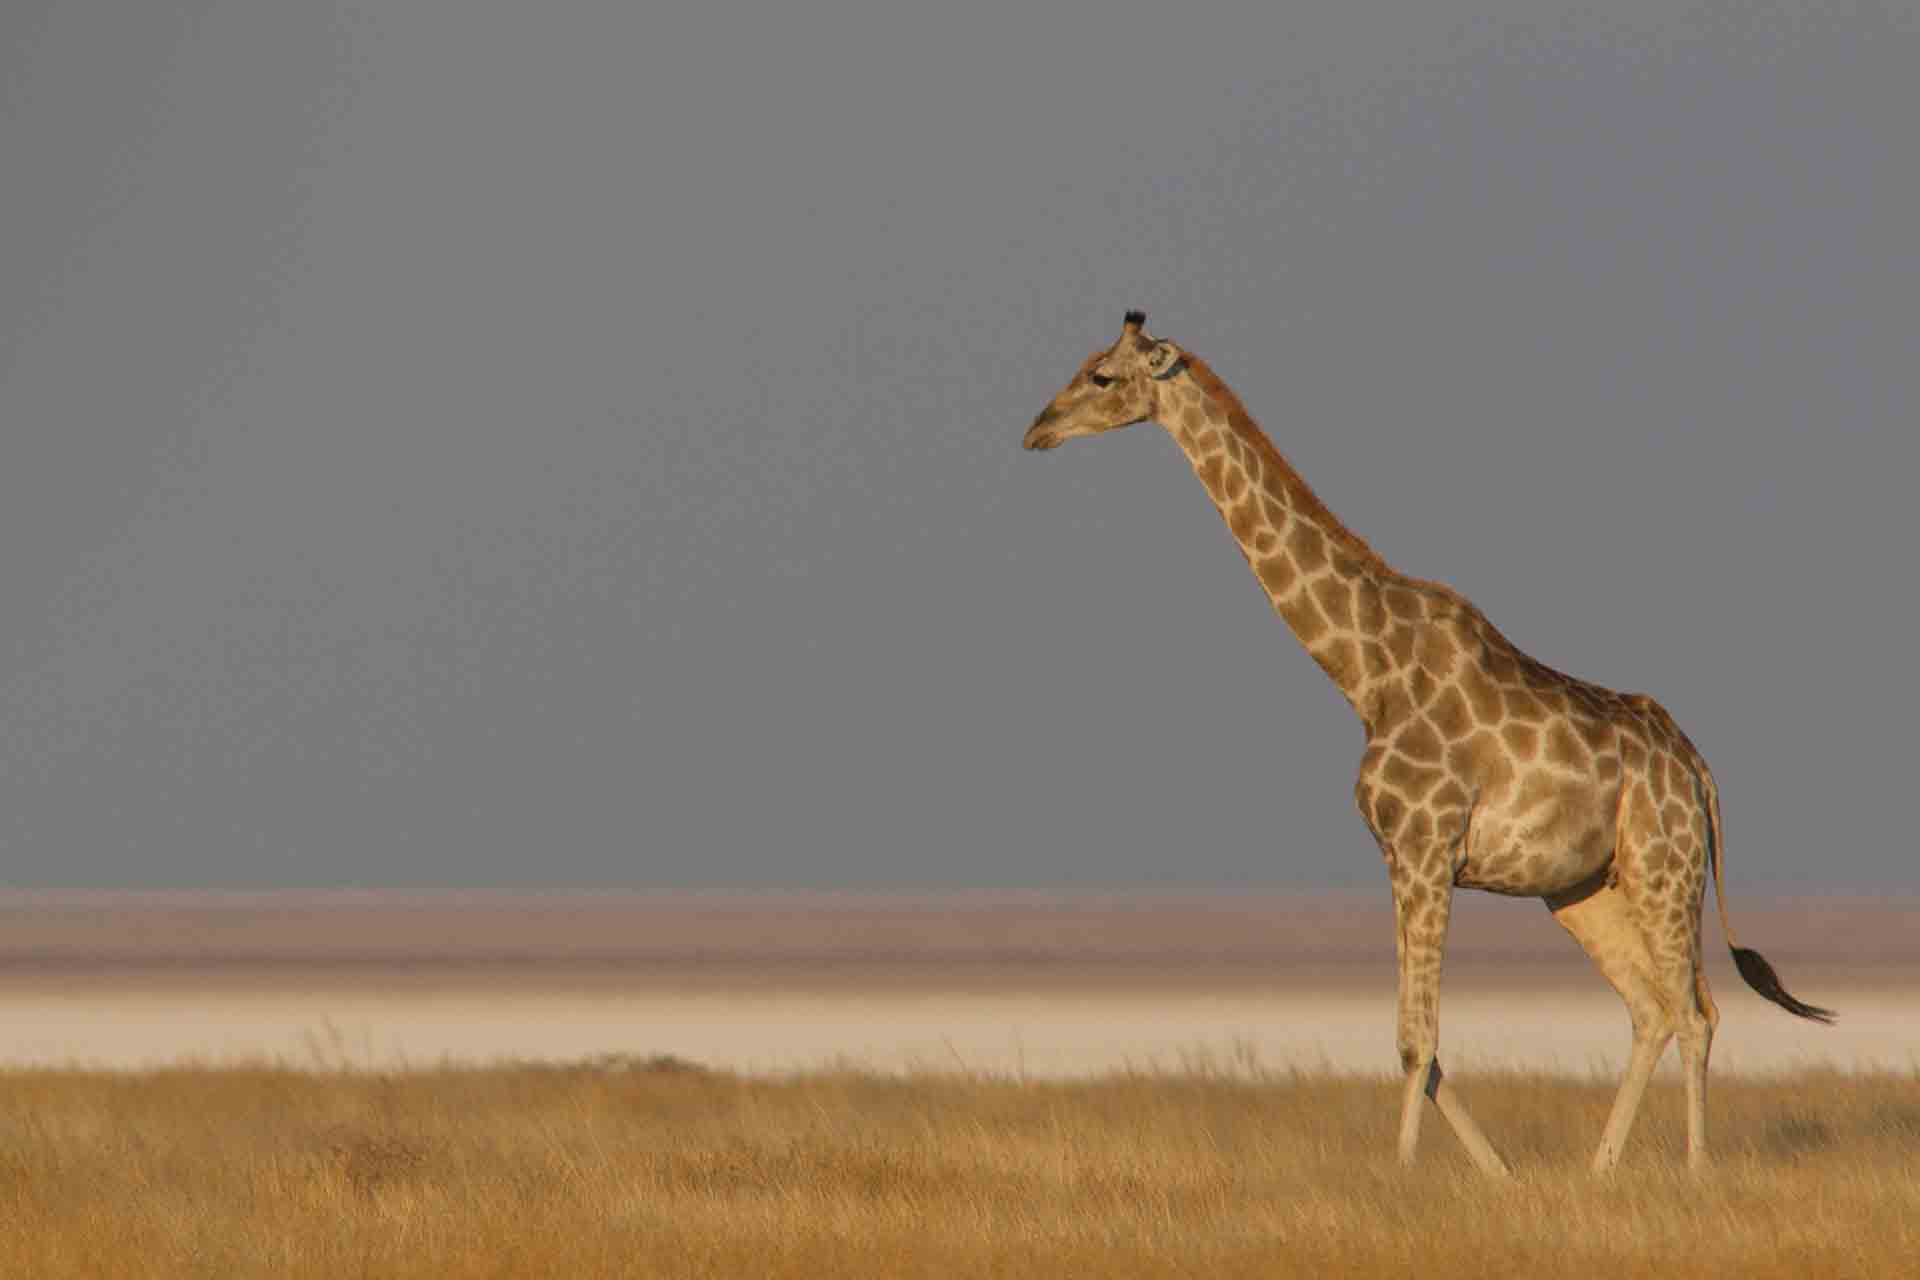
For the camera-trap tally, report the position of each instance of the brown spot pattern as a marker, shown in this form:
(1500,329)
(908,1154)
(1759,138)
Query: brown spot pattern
(1483,695)
(1435,650)
(1522,705)
(1402,604)
(1305,619)
(1308,546)
(1340,657)
(1336,601)
(1369,611)
(1565,749)
(1449,713)
(1211,473)
(1419,741)
(1243,520)
(1400,644)
(1277,576)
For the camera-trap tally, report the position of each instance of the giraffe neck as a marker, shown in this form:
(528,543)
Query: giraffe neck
(1322,578)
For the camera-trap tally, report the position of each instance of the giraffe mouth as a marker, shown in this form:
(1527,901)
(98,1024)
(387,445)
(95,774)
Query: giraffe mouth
(1042,435)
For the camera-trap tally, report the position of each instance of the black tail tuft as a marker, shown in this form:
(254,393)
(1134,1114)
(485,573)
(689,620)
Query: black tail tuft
(1760,976)
(1135,318)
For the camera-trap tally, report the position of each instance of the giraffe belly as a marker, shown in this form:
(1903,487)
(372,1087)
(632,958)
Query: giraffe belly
(1538,838)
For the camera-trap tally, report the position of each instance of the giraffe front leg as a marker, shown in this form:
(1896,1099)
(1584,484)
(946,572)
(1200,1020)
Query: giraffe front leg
(1422,910)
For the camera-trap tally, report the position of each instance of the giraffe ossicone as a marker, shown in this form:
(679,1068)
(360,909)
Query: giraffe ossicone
(1484,768)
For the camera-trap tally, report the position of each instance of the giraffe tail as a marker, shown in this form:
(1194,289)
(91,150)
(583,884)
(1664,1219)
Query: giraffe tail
(1752,965)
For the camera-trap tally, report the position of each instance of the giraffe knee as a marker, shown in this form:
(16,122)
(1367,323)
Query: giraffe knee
(1697,1026)
(1413,1056)
(1704,998)
(1651,1019)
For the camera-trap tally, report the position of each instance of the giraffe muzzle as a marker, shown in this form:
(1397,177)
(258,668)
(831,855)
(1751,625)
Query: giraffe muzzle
(1041,435)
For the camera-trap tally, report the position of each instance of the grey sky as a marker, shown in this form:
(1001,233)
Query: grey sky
(471,442)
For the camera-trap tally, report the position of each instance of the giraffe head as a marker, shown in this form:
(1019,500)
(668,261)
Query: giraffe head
(1114,388)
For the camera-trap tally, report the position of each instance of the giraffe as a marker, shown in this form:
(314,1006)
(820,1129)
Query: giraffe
(1483,769)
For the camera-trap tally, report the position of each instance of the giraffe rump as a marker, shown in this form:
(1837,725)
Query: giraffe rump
(1760,976)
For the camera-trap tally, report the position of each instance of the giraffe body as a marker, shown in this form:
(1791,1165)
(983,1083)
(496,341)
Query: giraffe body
(1483,769)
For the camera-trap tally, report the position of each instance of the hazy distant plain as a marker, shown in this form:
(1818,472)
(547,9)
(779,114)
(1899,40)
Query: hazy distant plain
(1034,983)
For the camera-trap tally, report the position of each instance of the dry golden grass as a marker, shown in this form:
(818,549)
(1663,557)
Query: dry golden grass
(660,1168)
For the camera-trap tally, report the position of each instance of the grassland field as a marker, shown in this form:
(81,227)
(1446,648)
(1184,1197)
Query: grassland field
(853,1086)
(658,1167)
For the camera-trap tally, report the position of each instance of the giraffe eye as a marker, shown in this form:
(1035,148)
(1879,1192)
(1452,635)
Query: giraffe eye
(1099,379)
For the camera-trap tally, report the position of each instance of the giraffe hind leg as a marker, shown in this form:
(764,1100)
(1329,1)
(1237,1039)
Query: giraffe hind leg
(1674,937)
(1599,916)
(1666,871)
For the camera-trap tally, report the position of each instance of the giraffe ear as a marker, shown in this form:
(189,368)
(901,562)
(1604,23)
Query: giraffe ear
(1165,360)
